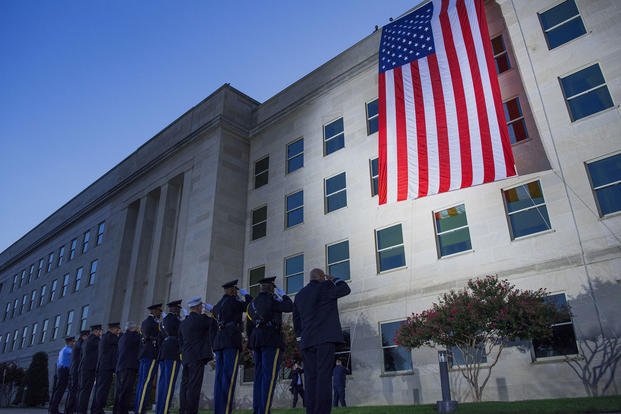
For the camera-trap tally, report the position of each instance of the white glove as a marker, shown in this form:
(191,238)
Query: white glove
(279,291)
(163,316)
(208,307)
(184,312)
(244,292)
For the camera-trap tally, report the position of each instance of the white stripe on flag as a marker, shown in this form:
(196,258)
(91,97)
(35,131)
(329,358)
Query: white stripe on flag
(431,125)
(410,125)
(391,139)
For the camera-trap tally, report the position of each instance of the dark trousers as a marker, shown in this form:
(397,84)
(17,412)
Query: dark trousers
(103,381)
(166,384)
(72,395)
(318,364)
(266,364)
(297,389)
(87,378)
(125,380)
(147,370)
(191,382)
(62,380)
(227,361)
(339,396)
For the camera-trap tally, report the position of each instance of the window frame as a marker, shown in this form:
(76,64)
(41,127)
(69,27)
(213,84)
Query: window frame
(521,118)
(570,322)
(61,256)
(72,249)
(84,317)
(437,234)
(64,289)
(44,328)
(55,328)
(369,118)
(266,171)
(374,178)
(326,139)
(594,190)
(287,276)
(42,295)
(507,214)
(101,228)
(326,196)
(41,267)
(288,158)
(92,275)
(53,289)
(294,209)
(33,300)
(377,250)
(69,322)
(505,52)
(86,239)
(78,280)
(545,31)
(24,337)
(382,347)
(349,365)
(50,262)
(33,333)
(328,263)
(253,224)
(566,98)
(31,273)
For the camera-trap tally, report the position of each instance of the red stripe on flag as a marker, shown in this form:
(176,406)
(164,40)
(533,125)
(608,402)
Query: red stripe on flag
(486,141)
(460,98)
(402,146)
(491,68)
(444,164)
(421,131)
(381,164)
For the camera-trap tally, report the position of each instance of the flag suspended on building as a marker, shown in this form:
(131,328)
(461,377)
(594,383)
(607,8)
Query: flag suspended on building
(441,120)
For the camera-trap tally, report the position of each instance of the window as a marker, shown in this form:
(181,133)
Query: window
(40,270)
(452,233)
(24,308)
(469,355)
(56,327)
(31,273)
(78,279)
(563,340)
(255,275)
(46,324)
(7,309)
(24,337)
(389,248)
(74,243)
(515,120)
(53,290)
(69,325)
(93,274)
(83,317)
(586,92)
(33,333)
(396,358)
(294,273)
(7,339)
(333,136)
(372,116)
(15,282)
(33,300)
(526,210)
(295,155)
(501,57)
(605,176)
(101,228)
(15,306)
(15,339)
(85,240)
(61,256)
(374,176)
(561,24)
(65,287)
(261,171)
(42,295)
(259,222)
(337,255)
(22,280)
(50,261)
(335,192)
(343,351)
(294,209)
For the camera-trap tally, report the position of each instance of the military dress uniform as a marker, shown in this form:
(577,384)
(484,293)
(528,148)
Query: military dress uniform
(106,364)
(126,369)
(168,359)
(62,375)
(88,367)
(71,404)
(195,333)
(227,346)
(147,369)
(267,344)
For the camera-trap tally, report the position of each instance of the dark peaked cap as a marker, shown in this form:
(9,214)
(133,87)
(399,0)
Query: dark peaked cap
(69,339)
(174,303)
(93,327)
(267,280)
(114,325)
(230,284)
(85,332)
(157,305)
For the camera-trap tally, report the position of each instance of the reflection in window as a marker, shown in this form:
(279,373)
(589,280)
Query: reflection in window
(294,273)
(563,340)
(452,232)
(526,210)
(396,358)
(501,57)
(586,92)
(605,178)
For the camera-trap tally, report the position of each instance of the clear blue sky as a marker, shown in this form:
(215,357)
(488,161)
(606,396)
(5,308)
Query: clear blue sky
(85,83)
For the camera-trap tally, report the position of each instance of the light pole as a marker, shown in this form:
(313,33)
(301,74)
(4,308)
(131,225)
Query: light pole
(446,405)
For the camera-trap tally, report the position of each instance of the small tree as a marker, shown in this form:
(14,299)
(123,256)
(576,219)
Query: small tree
(478,321)
(37,381)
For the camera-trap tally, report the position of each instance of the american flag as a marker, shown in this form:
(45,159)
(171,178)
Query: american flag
(441,121)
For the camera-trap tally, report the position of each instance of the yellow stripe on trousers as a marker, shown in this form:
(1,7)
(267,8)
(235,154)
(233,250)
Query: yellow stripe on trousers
(144,386)
(228,399)
(170,387)
(269,394)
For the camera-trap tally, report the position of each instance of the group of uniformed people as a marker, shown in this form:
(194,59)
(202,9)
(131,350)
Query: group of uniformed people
(170,343)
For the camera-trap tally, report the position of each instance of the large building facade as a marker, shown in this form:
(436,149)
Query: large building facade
(235,188)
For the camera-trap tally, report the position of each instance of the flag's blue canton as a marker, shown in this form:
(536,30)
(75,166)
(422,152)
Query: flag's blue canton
(407,39)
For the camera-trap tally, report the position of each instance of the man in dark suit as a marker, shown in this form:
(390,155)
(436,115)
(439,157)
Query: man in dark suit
(318,327)
(63,364)
(106,364)
(88,367)
(227,344)
(169,356)
(147,370)
(296,386)
(126,368)
(195,334)
(266,341)
(74,374)
(339,379)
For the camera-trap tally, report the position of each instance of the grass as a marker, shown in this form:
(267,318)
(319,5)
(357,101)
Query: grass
(558,406)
